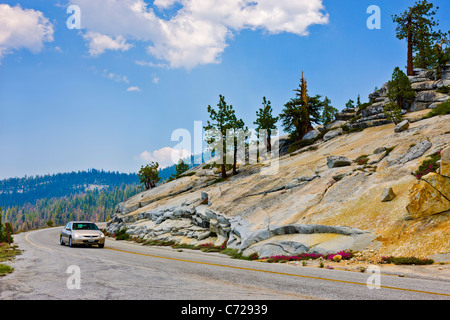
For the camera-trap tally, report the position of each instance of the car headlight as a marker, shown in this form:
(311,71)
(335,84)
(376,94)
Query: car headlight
(76,235)
(101,235)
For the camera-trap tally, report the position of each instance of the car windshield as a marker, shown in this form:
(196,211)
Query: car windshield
(85,226)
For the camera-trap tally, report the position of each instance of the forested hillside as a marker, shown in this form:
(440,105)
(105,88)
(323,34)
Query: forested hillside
(31,202)
(18,191)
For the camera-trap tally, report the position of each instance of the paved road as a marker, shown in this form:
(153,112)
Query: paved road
(124,271)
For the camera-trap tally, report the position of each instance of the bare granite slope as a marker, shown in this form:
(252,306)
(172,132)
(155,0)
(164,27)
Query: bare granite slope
(307,205)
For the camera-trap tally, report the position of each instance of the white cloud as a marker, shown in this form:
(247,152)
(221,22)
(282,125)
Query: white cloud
(164,156)
(99,43)
(155,80)
(133,89)
(23,28)
(165,4)
(115,77)
(152,64)
(199,32)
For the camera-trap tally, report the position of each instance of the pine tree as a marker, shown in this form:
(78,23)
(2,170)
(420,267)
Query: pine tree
(441,54)
(300,112)
(350,104)
(149,175)
(216,129)
(3,237)
(265,121)
(416,25)
(393,112)
(399,91)
(329,112)
(239,135)
(180,168)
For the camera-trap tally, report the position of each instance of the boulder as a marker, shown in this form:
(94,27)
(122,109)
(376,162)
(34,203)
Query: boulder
(311,135)
(402,126)
(425,201)
(418,106)
(379,150)
(388,195)
(332,134)
(335,125)
(445,162)
(415,151)
(425,85)
(338,161)
(439,182)
(431,96)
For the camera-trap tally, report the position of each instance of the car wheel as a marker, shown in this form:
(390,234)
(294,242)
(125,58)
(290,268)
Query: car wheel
(61,241)
(70,242)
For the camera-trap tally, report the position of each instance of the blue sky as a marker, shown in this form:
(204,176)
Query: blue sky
(109,96)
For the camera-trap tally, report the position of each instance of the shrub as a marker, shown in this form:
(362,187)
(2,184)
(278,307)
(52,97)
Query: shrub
(5,269)
(183,246)
(234,254)
(406,260)
(337,258)
(344,255)
(122,235)
(440,110)
(363,106)
(361,160)
(444,89)
(428,165)
(159,243)
(300,144)
(349,130)
(254,256)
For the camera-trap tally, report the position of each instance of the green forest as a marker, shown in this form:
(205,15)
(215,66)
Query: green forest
(39,201)
(54,199)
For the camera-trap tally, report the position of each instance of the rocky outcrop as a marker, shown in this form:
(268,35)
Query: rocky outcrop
(346,114)
(424,84)
(297,239)
(414,152)
(431,194)
(445,162)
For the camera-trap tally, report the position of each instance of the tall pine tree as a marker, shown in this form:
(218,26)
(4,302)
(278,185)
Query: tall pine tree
(416,25)
(266,121)
(221,120)
(301,112)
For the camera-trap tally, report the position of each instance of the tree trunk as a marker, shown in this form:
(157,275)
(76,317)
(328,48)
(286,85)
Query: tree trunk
(224,171)
(235,159)
(269,145)
(410,65)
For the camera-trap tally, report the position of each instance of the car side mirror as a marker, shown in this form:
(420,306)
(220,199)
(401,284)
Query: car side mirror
(68,229)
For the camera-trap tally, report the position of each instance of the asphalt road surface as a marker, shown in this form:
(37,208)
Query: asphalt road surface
(128,271)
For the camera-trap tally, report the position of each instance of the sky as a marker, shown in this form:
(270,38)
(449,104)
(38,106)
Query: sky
(105,84)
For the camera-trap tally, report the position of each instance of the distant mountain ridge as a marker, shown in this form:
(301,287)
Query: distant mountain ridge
(18,191)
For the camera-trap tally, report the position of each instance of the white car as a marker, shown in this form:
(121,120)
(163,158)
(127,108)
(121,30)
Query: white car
(82,232)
